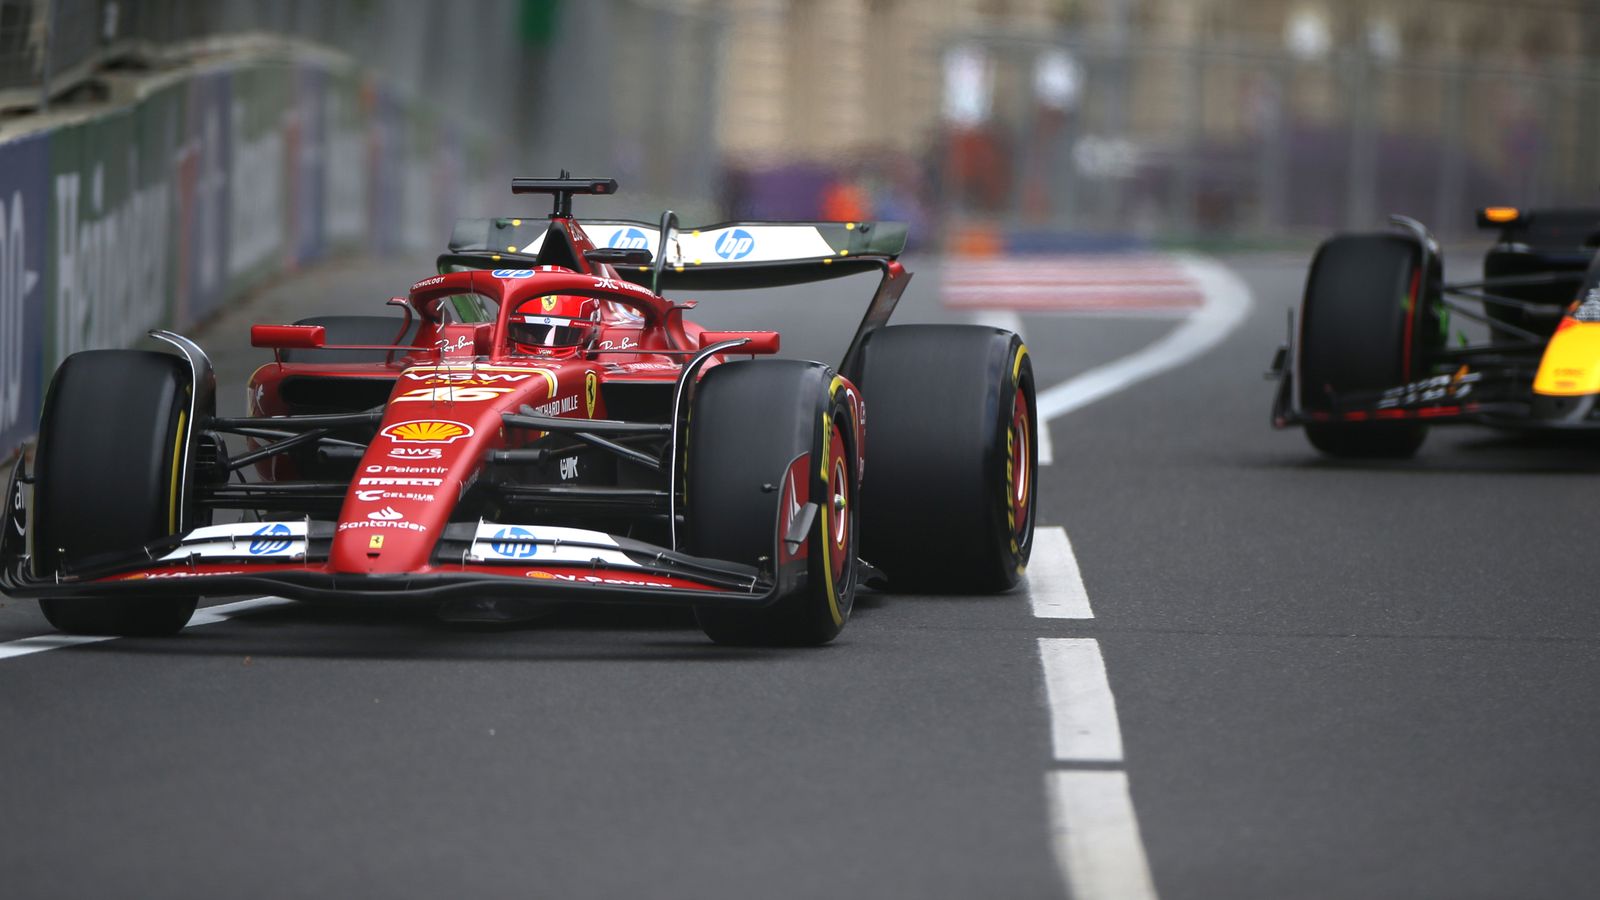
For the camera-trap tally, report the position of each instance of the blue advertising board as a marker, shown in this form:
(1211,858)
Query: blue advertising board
(24,193)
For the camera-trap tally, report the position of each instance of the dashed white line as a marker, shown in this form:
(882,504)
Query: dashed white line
(1095,835)
(1083,714)
(206,616)
(1055,587)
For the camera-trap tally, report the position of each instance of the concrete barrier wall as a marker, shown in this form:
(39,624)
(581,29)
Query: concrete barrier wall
(159,211)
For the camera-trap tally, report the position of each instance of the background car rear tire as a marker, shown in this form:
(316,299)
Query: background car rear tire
(950,487)
(353,330)
(108,479)
(749,422)
(1367,324)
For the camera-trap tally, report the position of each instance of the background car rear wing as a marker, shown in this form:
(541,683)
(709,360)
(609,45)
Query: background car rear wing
(726,256)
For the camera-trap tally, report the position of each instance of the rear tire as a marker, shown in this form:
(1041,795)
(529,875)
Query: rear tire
(749,423)
(109,477)
(1367,323)
(952,457)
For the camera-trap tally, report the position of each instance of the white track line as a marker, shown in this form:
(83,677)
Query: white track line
(207,616)
(1055,586)
(1095,835)
(43,642)
(1227,300)
(1009,320)
(1083,714)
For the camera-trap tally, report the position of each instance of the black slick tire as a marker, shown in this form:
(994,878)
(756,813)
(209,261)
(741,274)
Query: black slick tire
(109,478)
(1366,325)
(749,424)
(950,489)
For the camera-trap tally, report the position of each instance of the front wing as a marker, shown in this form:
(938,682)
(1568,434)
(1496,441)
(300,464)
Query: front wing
(622,571)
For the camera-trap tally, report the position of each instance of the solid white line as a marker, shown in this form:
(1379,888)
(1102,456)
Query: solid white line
(1095,835)
(43,642)
(1227,300)
(1055,587)
(1009,320)
(1083,714)
(207,616)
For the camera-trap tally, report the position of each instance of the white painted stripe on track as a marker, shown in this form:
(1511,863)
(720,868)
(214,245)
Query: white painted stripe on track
(28,646)
(1009,320)
(1095,835)
(1083,714)
(225,611)
(1227,301)
(1055,586)
(206,616)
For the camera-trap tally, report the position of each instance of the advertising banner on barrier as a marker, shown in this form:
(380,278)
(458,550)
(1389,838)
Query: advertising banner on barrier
(307,141)
(110,279)
(258,204)
(200,196)
(157,213)
(24,176)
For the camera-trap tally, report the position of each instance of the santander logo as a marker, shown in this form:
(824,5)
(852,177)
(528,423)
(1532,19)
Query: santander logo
(387,514)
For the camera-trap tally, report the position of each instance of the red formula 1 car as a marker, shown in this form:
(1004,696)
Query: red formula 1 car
(539,425)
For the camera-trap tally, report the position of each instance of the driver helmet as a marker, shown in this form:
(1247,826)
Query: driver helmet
(555,323)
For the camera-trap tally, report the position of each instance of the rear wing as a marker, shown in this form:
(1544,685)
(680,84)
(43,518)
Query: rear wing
(726,256)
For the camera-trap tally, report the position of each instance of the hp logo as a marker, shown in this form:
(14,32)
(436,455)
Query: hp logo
(510,548)
(270,539)
(735,244)
(629,239)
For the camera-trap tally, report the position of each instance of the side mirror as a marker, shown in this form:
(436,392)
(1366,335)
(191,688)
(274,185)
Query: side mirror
(289,337)
(619,256)
(758,342)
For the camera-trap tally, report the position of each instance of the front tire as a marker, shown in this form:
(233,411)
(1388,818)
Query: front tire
(754,427)
(109,478)
(1366,324)
(952,457)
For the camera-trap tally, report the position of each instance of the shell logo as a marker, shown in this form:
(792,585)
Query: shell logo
(427,431)
(538,574)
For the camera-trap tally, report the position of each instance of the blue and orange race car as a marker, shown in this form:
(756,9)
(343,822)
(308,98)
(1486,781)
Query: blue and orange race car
(1373,359)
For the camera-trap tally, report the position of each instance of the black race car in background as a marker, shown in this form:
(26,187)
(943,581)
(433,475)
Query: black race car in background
(1373,360)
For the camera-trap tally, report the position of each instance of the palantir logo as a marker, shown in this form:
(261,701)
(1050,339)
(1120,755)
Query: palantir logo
(270,539)
(628,239)
(509,542)
(735,244)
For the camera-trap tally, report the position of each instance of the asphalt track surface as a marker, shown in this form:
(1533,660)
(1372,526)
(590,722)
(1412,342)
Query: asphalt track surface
(1331,680)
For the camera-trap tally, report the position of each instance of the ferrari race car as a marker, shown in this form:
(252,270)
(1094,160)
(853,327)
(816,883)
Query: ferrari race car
(1371,361)
(538,425)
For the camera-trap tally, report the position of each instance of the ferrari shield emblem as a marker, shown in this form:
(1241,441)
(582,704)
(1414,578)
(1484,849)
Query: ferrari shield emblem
(548,302)
(591,390)
(375,542)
